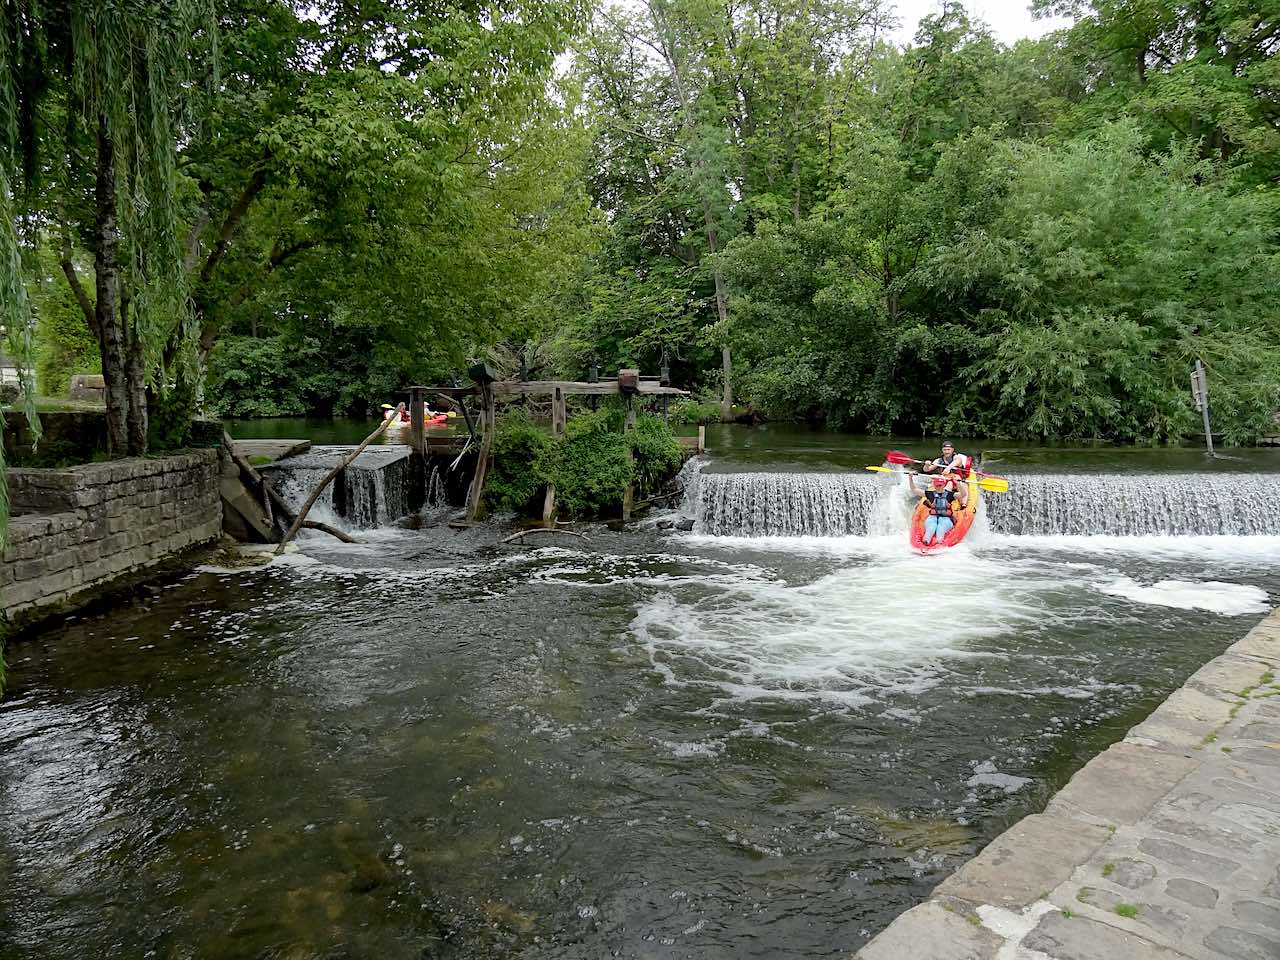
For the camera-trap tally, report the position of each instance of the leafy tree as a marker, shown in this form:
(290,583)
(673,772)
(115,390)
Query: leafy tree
(1186,70)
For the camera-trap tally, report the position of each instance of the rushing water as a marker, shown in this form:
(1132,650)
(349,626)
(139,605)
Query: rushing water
(1122,505)
(644,745)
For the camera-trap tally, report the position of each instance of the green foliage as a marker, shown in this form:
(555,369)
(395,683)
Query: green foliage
(521,450)
(590,466)
(338,371)
(171,415)
(64,344)
(655,452)
(694,412)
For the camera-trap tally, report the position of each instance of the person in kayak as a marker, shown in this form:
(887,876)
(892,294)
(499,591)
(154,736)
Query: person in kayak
(940,499)
(950,461)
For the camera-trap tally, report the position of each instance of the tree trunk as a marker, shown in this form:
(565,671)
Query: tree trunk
(106,265)
(135,371)
(722,314)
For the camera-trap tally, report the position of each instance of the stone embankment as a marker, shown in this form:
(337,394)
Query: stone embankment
(78,531)
(1164,847)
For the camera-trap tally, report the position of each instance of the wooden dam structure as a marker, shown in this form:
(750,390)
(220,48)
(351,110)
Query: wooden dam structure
(261,509)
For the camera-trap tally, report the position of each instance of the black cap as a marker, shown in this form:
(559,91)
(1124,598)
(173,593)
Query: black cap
(948,443)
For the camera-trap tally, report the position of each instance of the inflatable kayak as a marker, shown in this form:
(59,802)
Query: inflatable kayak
(963,520)
(438,420)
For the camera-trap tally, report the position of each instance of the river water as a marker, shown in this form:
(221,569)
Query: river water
(649,744)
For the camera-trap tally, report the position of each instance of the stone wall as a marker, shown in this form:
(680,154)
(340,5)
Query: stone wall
(78,531)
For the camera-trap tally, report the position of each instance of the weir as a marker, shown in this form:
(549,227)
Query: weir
(1057,504)
(373,491)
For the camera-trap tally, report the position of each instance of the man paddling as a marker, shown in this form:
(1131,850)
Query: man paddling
(950,462)
(939,500)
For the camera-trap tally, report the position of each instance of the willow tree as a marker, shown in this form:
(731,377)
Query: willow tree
(94,96)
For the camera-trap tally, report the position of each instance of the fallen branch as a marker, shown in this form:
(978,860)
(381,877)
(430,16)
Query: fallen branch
(328,479)
(525,533)
(331,531)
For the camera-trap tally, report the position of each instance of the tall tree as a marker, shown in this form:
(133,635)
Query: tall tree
(98,91)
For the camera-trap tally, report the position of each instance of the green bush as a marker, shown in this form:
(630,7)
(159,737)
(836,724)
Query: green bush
(64,344)
(590,466)
(656,452)
(519,446)
(692,412)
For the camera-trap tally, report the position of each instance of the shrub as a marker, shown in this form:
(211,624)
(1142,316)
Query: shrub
(590,466)
(695,412)
(656,452)
(519,448)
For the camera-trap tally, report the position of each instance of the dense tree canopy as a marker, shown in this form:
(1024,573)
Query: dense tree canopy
(300,206)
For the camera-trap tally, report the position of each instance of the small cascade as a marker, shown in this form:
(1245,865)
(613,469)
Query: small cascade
(1060,504)
(785,504)
(436,496)
(370,492)
(1126,505)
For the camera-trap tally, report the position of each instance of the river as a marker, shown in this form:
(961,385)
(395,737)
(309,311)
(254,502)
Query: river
(717,744)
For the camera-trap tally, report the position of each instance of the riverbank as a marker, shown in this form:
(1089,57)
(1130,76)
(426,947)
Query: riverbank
(1164,846)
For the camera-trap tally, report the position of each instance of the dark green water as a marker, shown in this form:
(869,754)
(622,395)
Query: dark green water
(776,446)
(644,745)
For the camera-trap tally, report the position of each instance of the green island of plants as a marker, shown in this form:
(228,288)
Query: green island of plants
(591,465)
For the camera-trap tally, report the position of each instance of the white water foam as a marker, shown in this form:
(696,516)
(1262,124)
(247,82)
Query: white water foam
(851,637)
(1228,599)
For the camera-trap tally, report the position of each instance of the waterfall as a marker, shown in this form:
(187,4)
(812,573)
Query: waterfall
(842,504)
(371,492)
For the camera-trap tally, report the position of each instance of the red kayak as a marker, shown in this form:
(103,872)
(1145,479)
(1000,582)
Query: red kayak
(963,521)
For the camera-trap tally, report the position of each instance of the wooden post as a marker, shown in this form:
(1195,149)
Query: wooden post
(488,419)
(702,438)
(557,411)
(549,505)
(417,421)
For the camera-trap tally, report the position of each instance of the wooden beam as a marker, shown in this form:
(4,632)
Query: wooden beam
(549,505)
(487,418)
(558,413)
(573,388)
(417,419)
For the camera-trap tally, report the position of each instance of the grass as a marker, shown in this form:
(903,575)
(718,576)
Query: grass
(1108,869)
(1126,910)
(1067,913)
(1084,894)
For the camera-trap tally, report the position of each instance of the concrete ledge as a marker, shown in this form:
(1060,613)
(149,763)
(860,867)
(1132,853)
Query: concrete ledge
(1166,846)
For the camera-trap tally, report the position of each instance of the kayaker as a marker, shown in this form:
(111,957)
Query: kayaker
(940,499)
(950,461)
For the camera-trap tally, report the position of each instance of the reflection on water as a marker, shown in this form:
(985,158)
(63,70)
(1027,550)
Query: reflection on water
(648,746)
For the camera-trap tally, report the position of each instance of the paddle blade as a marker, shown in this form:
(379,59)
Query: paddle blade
(882,470)
(994,484)
(897,456)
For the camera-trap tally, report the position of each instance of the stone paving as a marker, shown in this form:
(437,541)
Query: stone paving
(1164,847)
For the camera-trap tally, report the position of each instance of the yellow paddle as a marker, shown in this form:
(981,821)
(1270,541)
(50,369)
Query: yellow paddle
(990,484)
